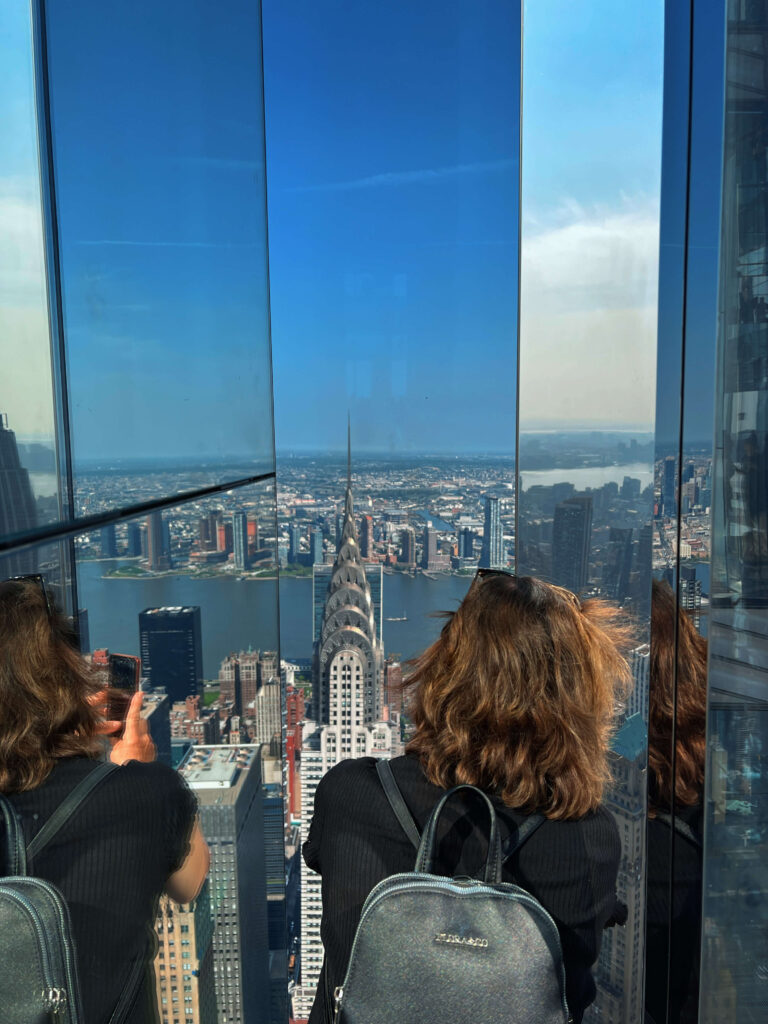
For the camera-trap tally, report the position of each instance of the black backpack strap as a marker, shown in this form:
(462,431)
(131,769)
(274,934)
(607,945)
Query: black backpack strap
(681,827)
(69,806)
(525,830)
(396,802)
(15,858)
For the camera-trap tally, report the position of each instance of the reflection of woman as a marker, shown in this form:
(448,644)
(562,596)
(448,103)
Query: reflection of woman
(675,785)
(516,697)
(135,837)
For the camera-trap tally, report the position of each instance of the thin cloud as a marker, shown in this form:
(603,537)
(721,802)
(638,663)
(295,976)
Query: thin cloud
(425,176)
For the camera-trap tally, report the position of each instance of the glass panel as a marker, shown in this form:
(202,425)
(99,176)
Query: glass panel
(589,269)
(393,264)
(192,591)
(158,147)
(734,966)
(28,472)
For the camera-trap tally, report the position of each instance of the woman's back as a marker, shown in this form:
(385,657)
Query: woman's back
(355,841)
(111,862)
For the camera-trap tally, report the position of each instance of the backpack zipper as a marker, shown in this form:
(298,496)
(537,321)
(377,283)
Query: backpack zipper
(69,953)
(54,996)
(439,884)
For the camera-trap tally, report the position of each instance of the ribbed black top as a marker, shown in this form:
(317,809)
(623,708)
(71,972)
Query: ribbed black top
(355,841)
(111,862)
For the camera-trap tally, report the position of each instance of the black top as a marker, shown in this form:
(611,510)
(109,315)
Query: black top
(111,863)
(355,841)
(683,963)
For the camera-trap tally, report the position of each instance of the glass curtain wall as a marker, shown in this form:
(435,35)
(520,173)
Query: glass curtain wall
(735,925)
(392,140)
(591,160)
(136,442)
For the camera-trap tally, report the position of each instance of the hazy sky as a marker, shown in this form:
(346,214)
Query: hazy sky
(392,167)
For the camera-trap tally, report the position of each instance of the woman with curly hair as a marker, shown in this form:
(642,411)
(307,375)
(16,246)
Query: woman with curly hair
(137,835)
(516,697)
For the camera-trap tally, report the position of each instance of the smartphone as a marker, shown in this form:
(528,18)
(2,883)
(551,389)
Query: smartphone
(124,675)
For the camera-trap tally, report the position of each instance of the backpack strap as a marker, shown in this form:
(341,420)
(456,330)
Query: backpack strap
(680,826)
(525,830)
(396,802)
(69,806)
(15,858)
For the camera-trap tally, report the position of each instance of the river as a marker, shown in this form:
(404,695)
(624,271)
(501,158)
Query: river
(235,614)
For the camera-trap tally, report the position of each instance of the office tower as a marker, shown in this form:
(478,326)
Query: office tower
(204,534)
(230,683)
(492,550)
(618,564)
(266,712)
(224,537)
(158,547)
(294,544)
(18,511)
(316,546)
(429,548)
(690,593)
(321,578)
(240,540)
(346,678)
(184,962)
(407,546)
(156,711)
(274,861)
(639,665)
(392,695)
(171,650)
(689,470)
(466,543)
(619,970)
(366,537)
(82,630)
(630,489)
(227,782)
(668,486)
(108,541)
(571,537)
(133,540)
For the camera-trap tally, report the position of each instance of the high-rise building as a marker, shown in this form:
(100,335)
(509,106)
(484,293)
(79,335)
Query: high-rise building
(466,543)
(407,546)
(429,548)
(240,540)
(571,538)
(366,537)
(618,564)
(227,782)
(316,546)
(294,544)
(184,961)
(158,542)
(171,650)
(156,711)
(630,489)
(639,665)
(492,550)
(669,486)
(18,511)
(108,541)
(690,593)
(321,578)
(133,540)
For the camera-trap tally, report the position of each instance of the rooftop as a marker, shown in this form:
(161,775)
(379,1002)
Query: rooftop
(218,768)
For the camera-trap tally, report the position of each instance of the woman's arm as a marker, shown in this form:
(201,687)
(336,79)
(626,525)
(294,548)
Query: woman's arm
(185,884)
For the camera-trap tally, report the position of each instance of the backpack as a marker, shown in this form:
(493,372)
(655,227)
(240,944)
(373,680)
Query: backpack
(435,950)
(38,963)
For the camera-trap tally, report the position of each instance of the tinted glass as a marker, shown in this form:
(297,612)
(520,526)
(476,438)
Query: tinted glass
(28,469)
(591,155)
(736,808)
(393,157)
(158,168)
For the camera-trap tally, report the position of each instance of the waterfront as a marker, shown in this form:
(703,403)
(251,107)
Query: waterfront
(237,614)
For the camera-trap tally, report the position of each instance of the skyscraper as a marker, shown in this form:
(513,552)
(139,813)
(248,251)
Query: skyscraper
(18,511)
(316,546)
(294,544)
(429,547)
(668,486)
(492,551)
(158,546)
(108,541)
(466,543)
(133,536)
(366,537)
(618,564)
(240,539)
(171,650)
(571,538)
(228,785)
(407,546)
(184,961)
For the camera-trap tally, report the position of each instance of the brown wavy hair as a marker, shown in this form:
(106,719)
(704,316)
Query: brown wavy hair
(518,695)
(690,727)
(45,685)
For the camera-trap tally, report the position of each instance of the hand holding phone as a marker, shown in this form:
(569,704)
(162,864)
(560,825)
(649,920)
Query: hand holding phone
(124,675)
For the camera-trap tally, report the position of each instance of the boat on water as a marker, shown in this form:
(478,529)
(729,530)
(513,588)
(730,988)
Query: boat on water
(396,618)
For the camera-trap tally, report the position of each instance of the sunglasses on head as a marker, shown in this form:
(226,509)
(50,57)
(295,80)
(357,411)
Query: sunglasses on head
(39,581)
(482,573)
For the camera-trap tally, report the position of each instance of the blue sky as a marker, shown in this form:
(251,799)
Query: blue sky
(392,149)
